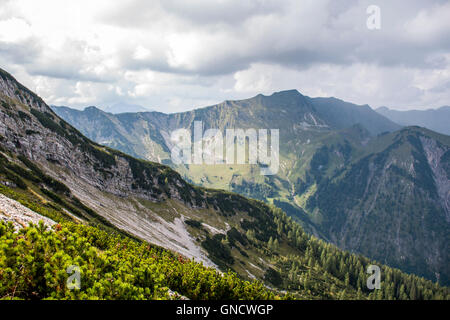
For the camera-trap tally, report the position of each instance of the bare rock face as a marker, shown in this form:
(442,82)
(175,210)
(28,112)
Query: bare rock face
(19,215)
(435,156)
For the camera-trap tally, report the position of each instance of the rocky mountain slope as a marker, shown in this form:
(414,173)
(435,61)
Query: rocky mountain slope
(339,170)
(19,215)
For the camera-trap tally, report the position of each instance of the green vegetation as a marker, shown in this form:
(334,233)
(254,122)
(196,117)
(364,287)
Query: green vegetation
(345,272)
(33,264)
(218,252)
(193,223)
(24,116)
(307,267)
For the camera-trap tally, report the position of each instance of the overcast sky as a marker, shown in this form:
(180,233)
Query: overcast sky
(177,55)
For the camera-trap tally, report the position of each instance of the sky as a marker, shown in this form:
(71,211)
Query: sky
(173,56)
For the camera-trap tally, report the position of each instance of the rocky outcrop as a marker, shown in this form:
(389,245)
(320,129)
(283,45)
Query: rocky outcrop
(19,215)
(435,156)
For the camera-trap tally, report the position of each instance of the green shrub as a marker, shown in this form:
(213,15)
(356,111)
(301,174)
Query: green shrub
(193,223)
(34,262)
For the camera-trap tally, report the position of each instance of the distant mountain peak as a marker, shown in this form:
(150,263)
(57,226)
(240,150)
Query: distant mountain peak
(290,92)
(91,108)
(124,107)
(277,94)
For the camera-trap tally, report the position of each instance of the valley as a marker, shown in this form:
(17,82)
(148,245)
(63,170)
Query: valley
(95,191)
(347,174)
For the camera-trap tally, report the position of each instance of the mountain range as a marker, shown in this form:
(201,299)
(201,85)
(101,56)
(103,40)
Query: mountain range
(348,175)
(434,119)
(119,107)
(52,169)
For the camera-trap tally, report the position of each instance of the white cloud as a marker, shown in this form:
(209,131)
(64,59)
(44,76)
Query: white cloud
(358,83)
(430,25)
(175,55)
(14,30)
(142,53)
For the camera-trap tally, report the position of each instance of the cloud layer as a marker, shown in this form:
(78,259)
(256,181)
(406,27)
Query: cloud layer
(172,55)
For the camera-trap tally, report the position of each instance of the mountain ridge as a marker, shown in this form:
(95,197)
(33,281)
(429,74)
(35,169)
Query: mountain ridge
(49,166)
(320,139)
